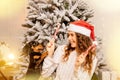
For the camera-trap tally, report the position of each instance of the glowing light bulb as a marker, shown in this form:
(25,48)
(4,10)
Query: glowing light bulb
(11,56)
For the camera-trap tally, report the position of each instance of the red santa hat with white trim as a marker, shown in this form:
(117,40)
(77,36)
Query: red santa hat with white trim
(84,28)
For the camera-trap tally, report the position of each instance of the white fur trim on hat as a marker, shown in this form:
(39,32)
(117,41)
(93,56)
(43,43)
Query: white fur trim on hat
(79,29)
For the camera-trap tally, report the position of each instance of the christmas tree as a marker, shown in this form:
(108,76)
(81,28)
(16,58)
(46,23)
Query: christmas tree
(44,15)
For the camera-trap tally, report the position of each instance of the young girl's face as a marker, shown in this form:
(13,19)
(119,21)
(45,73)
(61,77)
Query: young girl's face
(72,38)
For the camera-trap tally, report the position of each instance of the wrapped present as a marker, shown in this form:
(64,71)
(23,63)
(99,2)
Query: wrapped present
(107,75)
(113,75)
(104,75)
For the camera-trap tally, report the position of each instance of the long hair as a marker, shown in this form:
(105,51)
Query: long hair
(83,43)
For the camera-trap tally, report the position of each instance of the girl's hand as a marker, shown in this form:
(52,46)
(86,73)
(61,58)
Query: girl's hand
(50,47)
(81,58)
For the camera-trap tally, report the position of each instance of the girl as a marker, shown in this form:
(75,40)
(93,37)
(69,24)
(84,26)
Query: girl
(75,61)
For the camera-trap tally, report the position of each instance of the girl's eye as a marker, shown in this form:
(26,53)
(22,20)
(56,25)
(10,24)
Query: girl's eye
(67,35)
(72,35)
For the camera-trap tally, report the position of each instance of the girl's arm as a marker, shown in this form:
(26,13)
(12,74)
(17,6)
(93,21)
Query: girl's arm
(50,63)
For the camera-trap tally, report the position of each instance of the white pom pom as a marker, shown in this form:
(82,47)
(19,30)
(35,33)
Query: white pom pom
(95,42)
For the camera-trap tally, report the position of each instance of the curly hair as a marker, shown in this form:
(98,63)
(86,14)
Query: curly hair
(83,43)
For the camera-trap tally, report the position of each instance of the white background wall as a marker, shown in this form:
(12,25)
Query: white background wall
(107,23)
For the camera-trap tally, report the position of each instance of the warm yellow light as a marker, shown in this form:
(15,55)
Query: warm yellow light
(10,7)
(113,48)
(9,63)
(11,56)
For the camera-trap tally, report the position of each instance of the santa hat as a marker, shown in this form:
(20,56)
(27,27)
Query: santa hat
(84,28)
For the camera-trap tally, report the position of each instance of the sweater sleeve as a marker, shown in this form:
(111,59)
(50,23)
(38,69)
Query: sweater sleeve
(50,64)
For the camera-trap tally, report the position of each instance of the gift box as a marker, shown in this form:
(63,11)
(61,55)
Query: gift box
(107,75)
